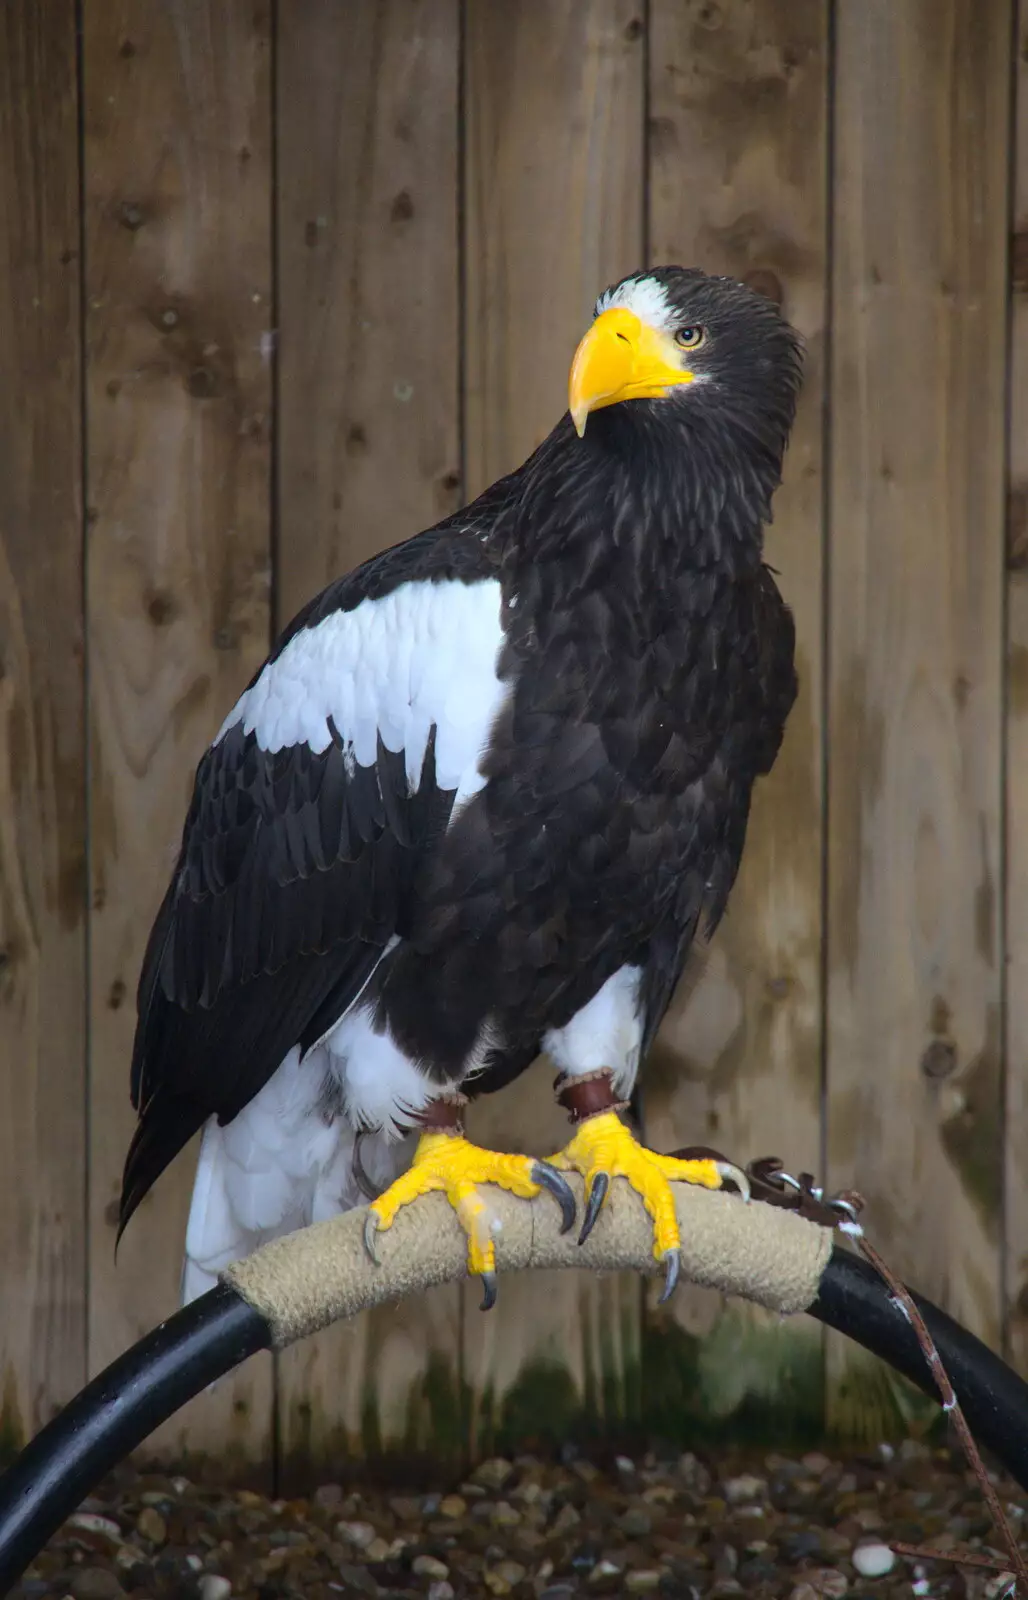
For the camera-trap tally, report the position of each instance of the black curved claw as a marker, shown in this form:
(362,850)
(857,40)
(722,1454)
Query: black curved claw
(488,1291)
(370,1230)
(548,1177)
(672,1267)
(594,1204)
(364,1183)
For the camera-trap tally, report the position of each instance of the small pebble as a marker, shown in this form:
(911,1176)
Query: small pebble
(441,1590)
(828,1582)
(101,1529)
(358,1578)
(566,1519)
(213,1586)
(873,1560)
(405,1507)
(492,1474)
(745,1487)
(329,1496)
(602,1570)
(429,1567)
(95,1583)
(451,1505)
(359,1534)
(635,1522)
(511,1572)
(726,1561)
(495,1582)
(643,1581)
(152,1525)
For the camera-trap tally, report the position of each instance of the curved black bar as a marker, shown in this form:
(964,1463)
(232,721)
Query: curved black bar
(855,1300)
(115,1413)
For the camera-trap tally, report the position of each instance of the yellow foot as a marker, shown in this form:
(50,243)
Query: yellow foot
(450,1163)
(603,1149)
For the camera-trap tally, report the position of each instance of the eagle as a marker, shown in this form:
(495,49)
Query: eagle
(477,805)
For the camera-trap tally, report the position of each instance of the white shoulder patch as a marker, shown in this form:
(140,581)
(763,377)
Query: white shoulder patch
(425,654)
(646,297)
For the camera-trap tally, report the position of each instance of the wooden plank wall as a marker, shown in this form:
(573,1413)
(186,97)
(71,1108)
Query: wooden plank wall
(915,640)
(43,1255)
(281,285)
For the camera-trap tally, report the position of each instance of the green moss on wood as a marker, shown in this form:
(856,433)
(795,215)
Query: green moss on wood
(437,1412)
(867,1401)
(752,1379)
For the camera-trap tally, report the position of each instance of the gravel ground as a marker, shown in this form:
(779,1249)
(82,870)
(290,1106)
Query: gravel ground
(758,1525)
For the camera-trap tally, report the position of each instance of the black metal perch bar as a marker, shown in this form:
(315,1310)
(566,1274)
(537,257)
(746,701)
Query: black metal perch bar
(298,1285)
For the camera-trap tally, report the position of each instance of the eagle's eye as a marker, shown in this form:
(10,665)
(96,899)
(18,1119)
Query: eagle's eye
(689,338)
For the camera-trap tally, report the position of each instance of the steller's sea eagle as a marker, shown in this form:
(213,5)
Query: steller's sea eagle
(478,803)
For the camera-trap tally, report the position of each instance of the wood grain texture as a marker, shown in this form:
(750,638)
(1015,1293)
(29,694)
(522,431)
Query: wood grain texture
(554,191)
(915,631)
(1016,734)
(42,728)
(178,264)
(367,214)
(367,128)
(738,150)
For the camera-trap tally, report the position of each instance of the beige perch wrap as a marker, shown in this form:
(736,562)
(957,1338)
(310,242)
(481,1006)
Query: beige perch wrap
(314,1277)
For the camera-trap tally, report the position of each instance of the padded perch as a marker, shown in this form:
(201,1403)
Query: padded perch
(312,1278)
(301,1283)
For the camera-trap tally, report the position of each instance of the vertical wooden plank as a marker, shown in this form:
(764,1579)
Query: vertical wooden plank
(738,150)
(369,454)
(1016,732)
(178,267)
(555,189)
(915,631)
(42,743)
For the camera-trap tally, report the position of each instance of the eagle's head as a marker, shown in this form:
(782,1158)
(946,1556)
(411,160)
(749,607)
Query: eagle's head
(697,355)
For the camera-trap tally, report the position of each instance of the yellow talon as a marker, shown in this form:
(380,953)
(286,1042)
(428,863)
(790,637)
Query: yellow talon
(451,1163)
(603,1148)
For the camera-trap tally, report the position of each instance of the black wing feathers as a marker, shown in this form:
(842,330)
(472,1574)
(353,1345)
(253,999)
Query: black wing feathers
(294,872)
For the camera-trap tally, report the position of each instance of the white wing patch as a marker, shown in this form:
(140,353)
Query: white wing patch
(646,297)
(425,654)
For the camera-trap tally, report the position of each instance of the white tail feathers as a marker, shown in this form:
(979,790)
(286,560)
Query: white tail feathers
(280,1164)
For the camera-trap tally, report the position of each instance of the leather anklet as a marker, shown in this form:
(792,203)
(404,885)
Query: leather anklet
(588,1094)
(443,1115)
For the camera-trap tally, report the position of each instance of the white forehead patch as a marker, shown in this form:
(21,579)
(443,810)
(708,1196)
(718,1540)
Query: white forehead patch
(646,297)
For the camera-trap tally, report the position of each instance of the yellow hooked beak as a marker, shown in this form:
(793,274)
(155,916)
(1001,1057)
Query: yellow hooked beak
(621,358)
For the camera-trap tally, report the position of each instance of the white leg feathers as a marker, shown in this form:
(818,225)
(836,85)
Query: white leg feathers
(284,1161)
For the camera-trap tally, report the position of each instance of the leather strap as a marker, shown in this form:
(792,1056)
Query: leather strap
(443,1115)
(588,1095)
